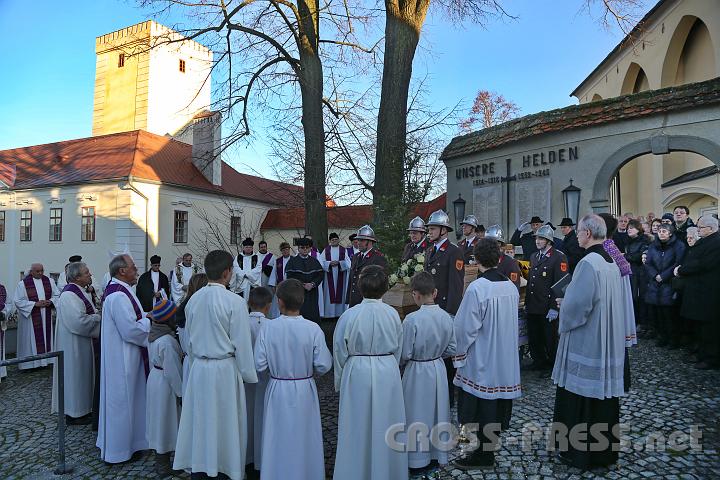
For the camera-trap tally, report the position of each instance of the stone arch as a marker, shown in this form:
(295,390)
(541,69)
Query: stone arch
(636,80)
(657,145)
(676,48)
(596,98)
(688,191)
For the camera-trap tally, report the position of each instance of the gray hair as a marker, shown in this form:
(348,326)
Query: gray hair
(709,221)
(118,262)
(74,270)
(693,232)
(595,225)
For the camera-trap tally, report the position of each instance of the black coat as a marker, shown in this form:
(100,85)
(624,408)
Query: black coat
(700,271)
(358,262)
(621,239)
(307,270)
(527,242)
(572,250)
(662,258)
(544,273)
(447,266)
(145,289)
(634,250)
(412,249)
(467,250)
(681,231)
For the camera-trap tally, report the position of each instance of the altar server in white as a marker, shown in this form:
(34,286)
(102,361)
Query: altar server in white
(78,323)
(336,262)
(247,270)
(164,386)
(427,338)
(35,296)
(181,276)
(487,362)
(213,425)
(123,366)
(292,349)
(366,347)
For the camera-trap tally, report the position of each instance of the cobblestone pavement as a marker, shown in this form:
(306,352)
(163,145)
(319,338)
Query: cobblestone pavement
(668,395)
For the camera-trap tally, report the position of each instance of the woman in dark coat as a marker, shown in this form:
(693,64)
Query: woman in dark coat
(636,245)
(663,256)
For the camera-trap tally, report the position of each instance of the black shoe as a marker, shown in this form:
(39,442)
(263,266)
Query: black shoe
(473,461)
(85,420)
(535,366)
(703,366)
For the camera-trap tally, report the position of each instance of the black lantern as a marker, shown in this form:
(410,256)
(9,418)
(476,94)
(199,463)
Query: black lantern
(571,199)
(459,209)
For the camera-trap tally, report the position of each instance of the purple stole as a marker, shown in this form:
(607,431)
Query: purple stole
(43,344)
(336,296)
(266,260)
(3,299)
(71,287)
(116,287)
(279,275)
(350,251)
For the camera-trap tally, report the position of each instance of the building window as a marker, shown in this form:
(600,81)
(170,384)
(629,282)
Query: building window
(87,224)
(56,224)
(182,66)
(235,230)
(181,226)
(25,225)
(2,226)
(121,60)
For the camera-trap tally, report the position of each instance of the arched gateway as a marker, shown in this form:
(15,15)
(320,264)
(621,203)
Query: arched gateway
(510,172)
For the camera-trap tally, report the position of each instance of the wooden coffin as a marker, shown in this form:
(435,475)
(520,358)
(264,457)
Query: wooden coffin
(400,298)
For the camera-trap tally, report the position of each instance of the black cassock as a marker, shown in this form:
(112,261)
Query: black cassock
(307,270)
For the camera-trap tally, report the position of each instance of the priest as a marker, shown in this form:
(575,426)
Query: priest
(124,366)
(266,260)
(35,297)
(246,270)
(62,279)
(309,271)
(153,285)
(181,277)
(78,323)
(589,364)
(6,308)
(335,262)
(212,437)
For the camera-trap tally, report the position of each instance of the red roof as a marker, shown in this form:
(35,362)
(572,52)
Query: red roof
(349,216)
(137,154)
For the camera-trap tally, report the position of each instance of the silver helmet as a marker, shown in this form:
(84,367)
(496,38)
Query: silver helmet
(546,232)
(495,232)
(439,219)
(470,220)
(366,233)
(417,224)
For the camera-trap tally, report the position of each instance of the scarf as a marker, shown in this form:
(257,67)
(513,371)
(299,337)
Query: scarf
(116,287)
(71,287)
(157,330)
(43,340)
(336,293)
(617,256)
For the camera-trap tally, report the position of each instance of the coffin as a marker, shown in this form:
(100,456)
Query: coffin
(400,298)
(471,274)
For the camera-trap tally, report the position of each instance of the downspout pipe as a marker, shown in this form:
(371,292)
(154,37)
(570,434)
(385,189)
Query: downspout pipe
(127,185)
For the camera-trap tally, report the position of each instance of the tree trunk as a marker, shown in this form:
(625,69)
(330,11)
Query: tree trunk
(311,88)
(403,22)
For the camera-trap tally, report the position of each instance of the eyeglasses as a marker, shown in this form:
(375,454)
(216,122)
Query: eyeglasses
(700,227)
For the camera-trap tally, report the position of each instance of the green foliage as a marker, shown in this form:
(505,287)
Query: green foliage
(391,219)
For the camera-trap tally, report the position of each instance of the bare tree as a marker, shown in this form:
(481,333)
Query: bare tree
(489,109)
(215,231)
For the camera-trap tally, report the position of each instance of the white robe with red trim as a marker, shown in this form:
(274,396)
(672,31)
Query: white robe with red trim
(486,332)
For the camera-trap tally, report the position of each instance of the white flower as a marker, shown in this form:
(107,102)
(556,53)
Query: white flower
(393,279)
(406,280)
(420,258)
(404,267)
(419,268)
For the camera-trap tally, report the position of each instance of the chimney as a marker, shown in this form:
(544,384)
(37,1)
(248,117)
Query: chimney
(206,137)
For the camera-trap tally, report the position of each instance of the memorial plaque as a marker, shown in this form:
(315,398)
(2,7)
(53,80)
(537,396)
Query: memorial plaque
(532,197)
(487,205)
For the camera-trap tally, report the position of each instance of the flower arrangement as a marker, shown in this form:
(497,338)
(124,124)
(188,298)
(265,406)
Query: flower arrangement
(407,270)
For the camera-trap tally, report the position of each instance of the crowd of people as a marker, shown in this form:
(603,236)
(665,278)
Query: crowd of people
(213,367)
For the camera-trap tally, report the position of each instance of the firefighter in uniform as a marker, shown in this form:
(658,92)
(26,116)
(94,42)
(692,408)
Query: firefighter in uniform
(418,241)
(368,255)
(547,266)
(445,263)
(469,229)
(507,265)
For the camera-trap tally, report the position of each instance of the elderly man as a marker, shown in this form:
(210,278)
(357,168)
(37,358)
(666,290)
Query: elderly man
(35,296)
(181,278)
(527,240)
(589,365)
(701,271)
(6,308)
(78,322)
(152,285)
(418,241)
(124,366)
(367,255)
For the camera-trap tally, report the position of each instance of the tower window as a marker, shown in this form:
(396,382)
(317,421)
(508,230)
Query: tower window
(182,66)
(121,60)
